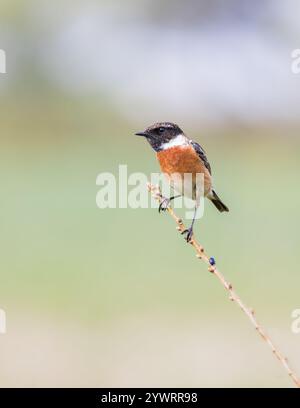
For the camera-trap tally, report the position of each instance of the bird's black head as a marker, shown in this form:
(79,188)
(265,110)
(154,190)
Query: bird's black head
(160,134)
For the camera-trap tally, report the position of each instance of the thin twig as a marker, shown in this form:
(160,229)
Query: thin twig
(200,253)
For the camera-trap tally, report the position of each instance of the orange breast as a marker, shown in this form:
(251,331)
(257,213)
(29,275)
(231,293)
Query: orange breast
(182,160)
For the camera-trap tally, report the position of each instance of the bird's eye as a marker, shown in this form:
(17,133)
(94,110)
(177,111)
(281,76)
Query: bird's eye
(161,130)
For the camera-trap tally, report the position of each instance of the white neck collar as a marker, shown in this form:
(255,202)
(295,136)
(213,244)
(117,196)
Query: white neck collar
(180,140)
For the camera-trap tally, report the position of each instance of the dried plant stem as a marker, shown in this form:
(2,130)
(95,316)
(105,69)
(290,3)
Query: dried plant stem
(200,253)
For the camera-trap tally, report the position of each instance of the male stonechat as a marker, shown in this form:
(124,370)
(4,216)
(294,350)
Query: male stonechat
(178,157)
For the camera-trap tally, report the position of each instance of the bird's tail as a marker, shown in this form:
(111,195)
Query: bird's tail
(217,202)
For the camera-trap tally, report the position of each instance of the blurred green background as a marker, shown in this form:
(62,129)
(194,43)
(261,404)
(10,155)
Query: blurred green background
(115,297)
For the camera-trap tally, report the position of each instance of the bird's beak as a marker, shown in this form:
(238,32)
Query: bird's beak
(141,134)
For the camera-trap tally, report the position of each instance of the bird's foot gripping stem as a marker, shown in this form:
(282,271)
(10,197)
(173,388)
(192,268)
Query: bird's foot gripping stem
(165,202)
(188,234)
(163,206)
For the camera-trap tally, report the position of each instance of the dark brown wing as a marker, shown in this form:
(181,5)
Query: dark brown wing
(201,154)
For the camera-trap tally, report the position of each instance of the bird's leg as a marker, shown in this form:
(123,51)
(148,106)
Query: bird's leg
(189,232)
(166,202)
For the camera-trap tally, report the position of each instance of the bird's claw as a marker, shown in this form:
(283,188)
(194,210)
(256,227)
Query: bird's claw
(163,206)
(189,234)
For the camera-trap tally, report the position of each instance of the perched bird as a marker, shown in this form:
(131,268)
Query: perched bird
(178,155)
